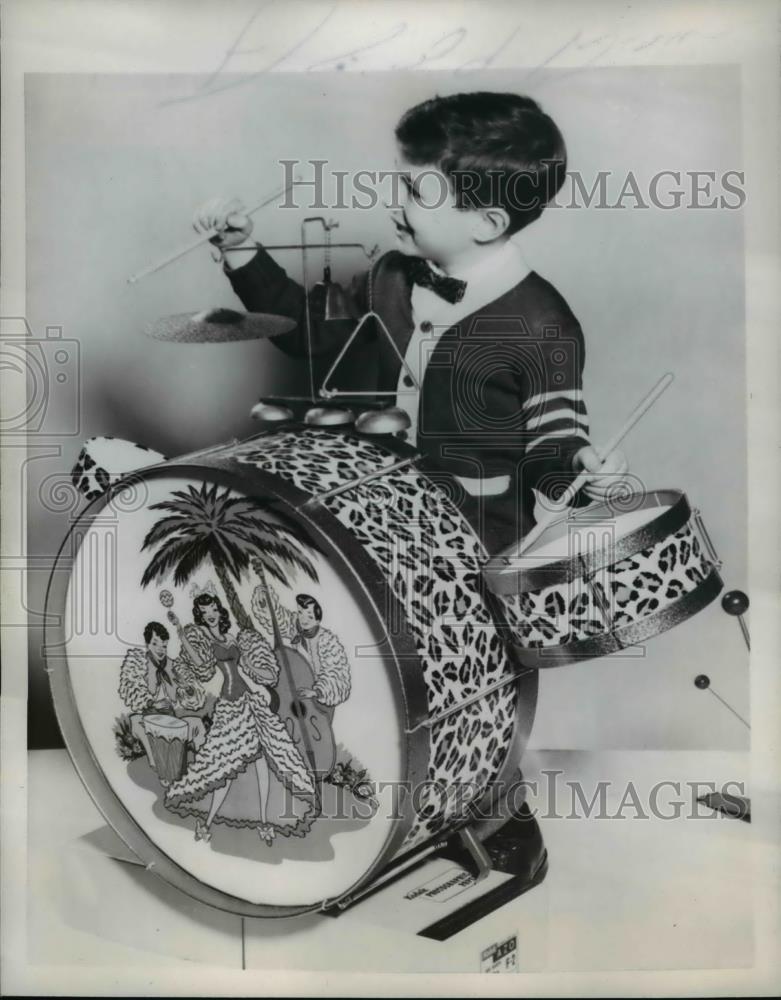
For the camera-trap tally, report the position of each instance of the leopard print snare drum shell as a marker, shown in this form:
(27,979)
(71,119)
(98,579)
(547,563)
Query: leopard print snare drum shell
(574,596)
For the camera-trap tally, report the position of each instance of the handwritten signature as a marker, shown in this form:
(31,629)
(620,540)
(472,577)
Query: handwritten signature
(590,47)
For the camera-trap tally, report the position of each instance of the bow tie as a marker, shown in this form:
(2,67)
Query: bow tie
(420,273)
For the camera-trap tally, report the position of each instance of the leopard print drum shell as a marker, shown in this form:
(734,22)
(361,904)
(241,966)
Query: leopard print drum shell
(607,577)
(430,558)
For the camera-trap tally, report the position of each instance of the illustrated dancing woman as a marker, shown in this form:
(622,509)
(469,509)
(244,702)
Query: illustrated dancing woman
(244,733)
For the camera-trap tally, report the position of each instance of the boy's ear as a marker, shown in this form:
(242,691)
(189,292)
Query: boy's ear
(490,224)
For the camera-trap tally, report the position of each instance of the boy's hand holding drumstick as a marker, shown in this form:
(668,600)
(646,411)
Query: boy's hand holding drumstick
(604,474)
(588,474)
(234,226)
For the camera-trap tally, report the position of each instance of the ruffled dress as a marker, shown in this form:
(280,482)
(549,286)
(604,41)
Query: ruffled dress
(244,729)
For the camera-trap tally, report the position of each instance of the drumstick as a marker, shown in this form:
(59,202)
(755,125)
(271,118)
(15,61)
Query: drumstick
(202,239)
(577,484)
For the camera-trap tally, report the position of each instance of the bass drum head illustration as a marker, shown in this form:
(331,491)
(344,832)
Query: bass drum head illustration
(240,720)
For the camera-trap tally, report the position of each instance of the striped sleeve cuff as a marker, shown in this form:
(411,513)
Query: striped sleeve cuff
(556,414)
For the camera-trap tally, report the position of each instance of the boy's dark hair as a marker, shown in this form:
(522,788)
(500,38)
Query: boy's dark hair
(497,150)
(155,628)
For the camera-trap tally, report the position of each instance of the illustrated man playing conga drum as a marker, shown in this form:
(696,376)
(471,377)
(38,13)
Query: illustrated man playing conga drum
(151,683)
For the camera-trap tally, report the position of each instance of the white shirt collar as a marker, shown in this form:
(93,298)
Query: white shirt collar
(486,280)
(504,255)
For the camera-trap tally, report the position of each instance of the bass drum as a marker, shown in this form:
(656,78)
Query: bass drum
(312,599)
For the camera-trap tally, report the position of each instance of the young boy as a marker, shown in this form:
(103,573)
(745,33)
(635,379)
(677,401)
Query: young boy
(494,348)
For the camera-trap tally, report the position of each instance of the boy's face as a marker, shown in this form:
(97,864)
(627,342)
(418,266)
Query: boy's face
(428,223)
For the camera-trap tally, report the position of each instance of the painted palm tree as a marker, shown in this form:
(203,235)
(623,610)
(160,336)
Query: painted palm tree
(231,531)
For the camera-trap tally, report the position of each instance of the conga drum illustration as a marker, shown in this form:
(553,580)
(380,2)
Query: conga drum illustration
(326,590)
(168,739)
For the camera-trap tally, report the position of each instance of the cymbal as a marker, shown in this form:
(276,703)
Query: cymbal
(218,326)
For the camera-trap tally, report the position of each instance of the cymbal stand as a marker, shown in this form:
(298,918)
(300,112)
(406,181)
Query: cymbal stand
(328,225)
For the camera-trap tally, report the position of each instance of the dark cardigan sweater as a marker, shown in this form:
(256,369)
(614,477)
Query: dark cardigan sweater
(474,418)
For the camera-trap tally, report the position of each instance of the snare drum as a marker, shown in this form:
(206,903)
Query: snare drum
(606,577)
(347,582)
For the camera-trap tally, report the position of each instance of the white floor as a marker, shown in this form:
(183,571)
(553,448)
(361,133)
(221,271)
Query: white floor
(621,894)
